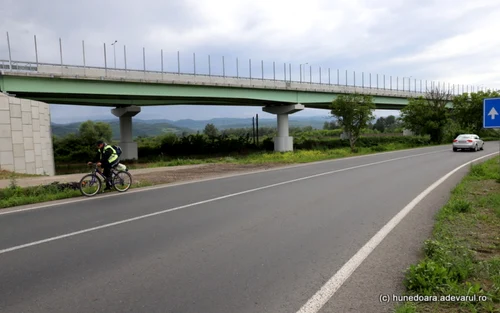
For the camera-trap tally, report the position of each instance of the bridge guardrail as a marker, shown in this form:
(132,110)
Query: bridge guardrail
(102,73)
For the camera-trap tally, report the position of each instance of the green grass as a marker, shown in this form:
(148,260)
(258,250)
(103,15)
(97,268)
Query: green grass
(463,255)
(293,157)
(16,196)
(297,156)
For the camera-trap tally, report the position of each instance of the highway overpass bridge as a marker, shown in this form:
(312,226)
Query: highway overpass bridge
(28,87)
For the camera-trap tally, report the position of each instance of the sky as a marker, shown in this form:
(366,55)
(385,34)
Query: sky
(448,41)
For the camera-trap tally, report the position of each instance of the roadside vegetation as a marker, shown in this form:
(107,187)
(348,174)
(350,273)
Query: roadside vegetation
(350,133)
(15,196)
(462,257)
(429,118)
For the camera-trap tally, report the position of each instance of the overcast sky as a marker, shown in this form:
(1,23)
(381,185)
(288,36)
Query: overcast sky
(453,41)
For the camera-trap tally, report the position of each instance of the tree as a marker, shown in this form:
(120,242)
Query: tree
(468,110)
(391,123)
(380,124)
(330,125)
(90,132)
(210,130)
(428,115)
(386,124)
(353,112)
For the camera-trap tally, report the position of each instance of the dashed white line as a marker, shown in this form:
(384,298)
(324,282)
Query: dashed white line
(143,189)
(205,201)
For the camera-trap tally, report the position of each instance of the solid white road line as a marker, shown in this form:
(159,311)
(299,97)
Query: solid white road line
(62,202)
(318,300)
(205,201)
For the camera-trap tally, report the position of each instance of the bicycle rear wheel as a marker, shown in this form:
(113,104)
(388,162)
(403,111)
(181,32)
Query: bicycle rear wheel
(120,181)
(86,187)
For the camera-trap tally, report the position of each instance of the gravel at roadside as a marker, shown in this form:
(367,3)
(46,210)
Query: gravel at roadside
(160,175)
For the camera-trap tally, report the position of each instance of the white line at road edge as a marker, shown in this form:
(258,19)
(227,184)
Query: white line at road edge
(205,201)
(14,210)
(316,302)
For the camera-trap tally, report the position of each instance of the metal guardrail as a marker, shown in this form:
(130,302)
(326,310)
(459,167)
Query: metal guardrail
(16,67)
(326,77)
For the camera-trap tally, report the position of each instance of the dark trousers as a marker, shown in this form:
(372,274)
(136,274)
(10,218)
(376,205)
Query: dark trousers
(107,169)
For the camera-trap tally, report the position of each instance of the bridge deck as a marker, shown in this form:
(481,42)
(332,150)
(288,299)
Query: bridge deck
(18,68)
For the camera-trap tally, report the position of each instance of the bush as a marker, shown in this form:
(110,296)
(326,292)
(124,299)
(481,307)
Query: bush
(459,206)
(73,149)
(427,278)
(70,150)
(446,264)
(363,142)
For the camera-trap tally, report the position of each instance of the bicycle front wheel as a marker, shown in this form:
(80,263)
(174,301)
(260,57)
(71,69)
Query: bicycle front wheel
(88,183)
(122,181)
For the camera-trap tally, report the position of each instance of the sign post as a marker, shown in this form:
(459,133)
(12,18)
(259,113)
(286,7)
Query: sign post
(491,114)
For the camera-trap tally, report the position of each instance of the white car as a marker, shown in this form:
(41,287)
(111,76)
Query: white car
(468,142)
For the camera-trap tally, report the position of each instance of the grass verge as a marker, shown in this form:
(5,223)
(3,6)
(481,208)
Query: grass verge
(294,157)
(16,196)
(462,257)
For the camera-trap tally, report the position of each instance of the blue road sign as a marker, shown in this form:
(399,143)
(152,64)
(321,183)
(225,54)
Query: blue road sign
(491,113)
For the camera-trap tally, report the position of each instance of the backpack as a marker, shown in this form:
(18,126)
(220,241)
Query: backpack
(117,149)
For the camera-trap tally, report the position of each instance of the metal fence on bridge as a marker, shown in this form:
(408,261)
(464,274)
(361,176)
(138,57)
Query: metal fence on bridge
(280,72)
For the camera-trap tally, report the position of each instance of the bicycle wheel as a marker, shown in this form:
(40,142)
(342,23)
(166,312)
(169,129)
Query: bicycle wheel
(86,187)
(120,184)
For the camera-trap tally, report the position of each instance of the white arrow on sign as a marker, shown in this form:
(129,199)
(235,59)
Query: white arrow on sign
(492,113)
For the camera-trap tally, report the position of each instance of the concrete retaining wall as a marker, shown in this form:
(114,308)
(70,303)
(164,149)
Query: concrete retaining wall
(25,136)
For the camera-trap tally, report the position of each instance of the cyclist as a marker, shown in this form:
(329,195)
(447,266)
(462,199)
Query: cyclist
(106,157)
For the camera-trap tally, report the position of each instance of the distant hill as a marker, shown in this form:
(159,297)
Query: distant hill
(225,123)
(140,128)
(162,126)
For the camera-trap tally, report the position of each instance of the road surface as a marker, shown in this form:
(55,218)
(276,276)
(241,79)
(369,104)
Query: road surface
(264,242)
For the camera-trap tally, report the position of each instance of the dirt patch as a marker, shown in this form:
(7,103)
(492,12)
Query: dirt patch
(8,175)
(487,232)
(483,188)
(205,171)
(488,244)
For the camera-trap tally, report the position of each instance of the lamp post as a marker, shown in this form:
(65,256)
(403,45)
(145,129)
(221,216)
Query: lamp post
(114,52)
(303,71)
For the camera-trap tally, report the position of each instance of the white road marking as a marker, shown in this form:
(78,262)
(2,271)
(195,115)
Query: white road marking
(205,201)
(142,189)
(318,300)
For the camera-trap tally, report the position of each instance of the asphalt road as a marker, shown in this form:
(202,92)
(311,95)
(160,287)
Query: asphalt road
(267,248)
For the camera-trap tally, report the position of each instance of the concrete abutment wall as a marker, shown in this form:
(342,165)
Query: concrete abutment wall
(25,136)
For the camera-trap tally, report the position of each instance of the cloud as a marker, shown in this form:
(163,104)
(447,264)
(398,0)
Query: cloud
(468,54)
(452,41)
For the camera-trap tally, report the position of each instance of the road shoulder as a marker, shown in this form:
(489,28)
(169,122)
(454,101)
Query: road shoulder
(382,272)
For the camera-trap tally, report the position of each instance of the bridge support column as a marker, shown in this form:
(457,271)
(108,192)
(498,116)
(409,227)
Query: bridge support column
(283,142)
(127,143)
(407,132)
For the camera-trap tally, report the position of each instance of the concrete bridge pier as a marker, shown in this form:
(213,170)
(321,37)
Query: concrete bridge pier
(127,143)
(283,142)
(407,132)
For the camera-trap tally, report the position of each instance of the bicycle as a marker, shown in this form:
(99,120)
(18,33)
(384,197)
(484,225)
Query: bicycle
(94,176)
